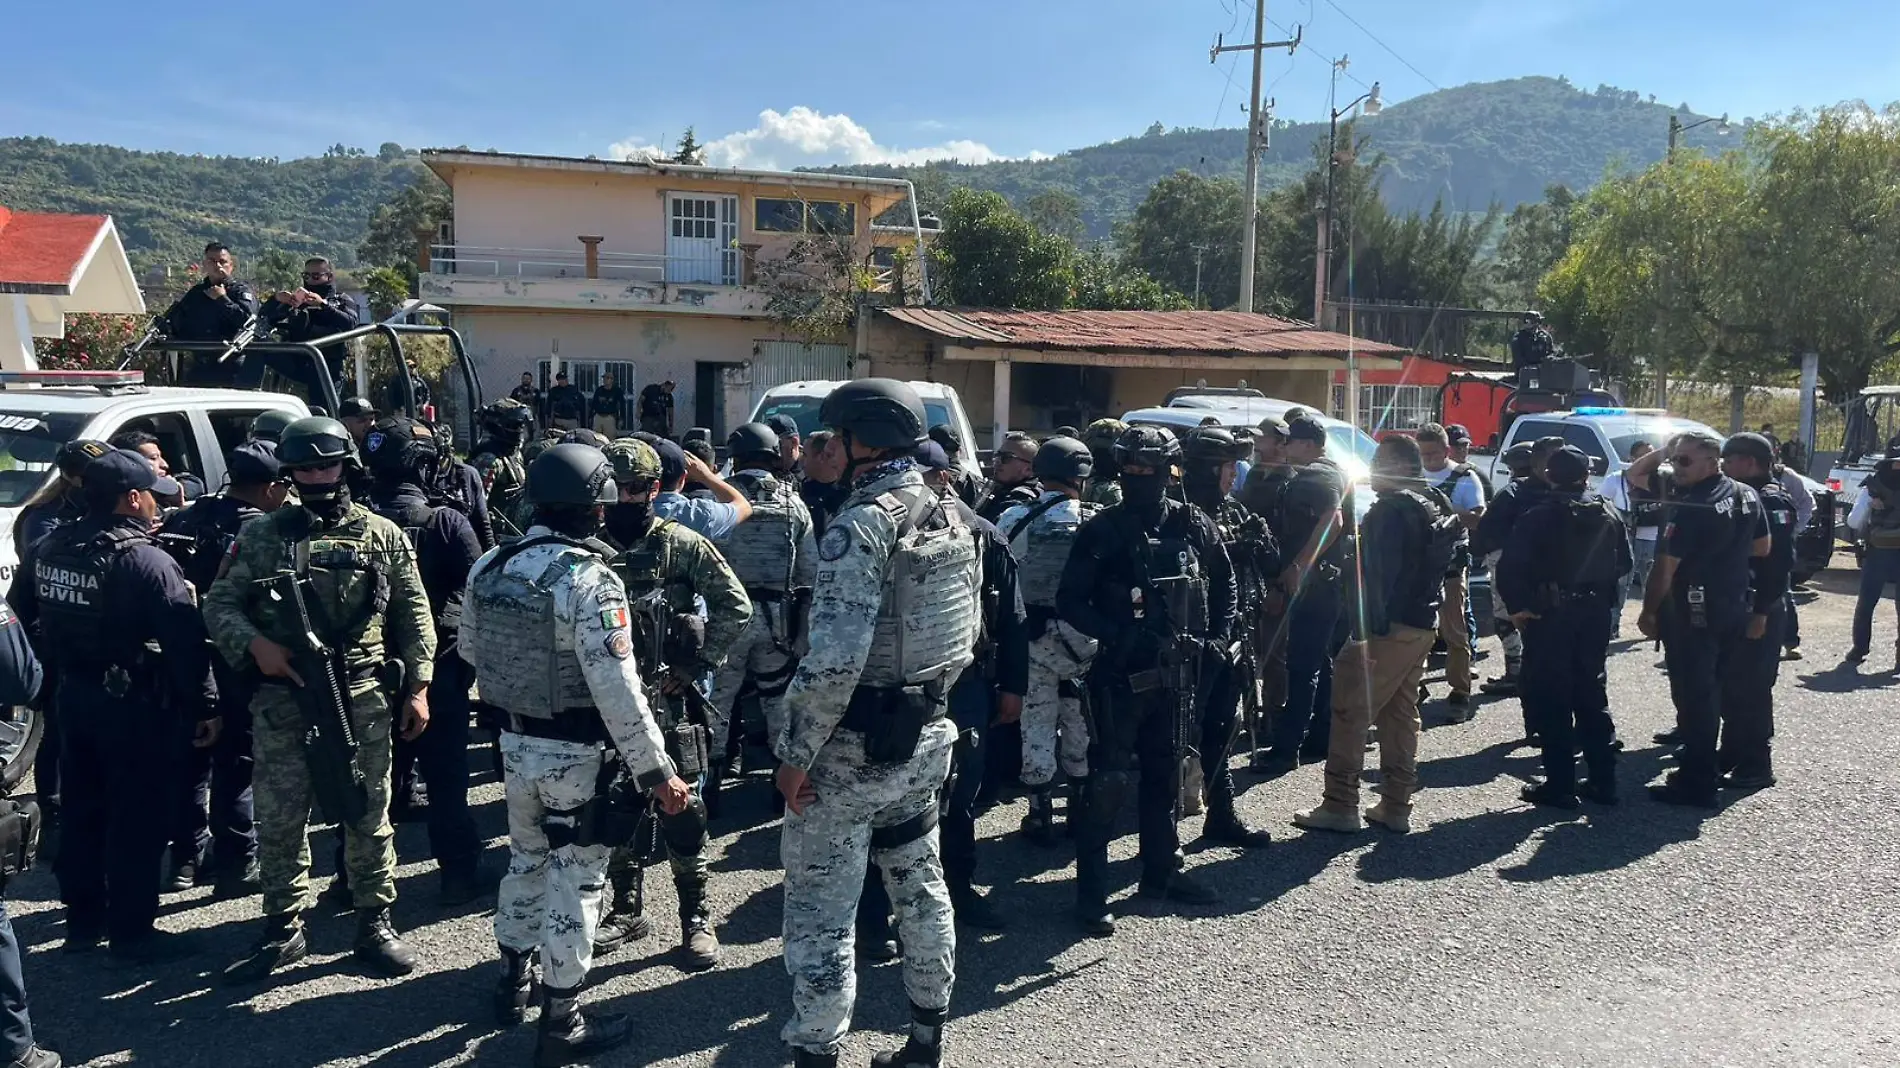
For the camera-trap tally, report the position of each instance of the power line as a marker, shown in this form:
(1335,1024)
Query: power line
(1389,49)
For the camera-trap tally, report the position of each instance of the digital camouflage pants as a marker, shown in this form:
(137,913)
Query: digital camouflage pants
(756,656)
(550,898)
(1052,721)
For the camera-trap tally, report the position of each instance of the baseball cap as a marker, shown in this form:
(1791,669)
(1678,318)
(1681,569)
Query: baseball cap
(120,471)
(947,437)
(253,463)
(1306,429)
(783,425)
(1276,426)
(1456,434)
(1518,456)
(672,460)
(932,456)
(1567,466)
(72,457)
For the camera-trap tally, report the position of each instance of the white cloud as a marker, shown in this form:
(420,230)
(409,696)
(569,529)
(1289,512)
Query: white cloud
(803,137)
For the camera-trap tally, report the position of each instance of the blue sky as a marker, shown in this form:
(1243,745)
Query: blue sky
(771,85)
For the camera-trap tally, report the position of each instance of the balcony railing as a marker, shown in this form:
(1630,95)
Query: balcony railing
(712,267)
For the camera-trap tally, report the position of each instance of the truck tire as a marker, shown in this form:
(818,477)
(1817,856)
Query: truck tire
(19,742)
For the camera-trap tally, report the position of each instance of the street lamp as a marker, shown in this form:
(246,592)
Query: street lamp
(1677,129)
(1322,260)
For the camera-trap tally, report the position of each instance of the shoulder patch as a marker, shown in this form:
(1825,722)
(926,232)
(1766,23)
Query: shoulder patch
(619,646)
(614,618)
(834,544)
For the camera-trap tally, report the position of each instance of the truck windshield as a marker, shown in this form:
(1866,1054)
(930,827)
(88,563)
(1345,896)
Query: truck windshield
(28,440)
(804,412)
(1625,433)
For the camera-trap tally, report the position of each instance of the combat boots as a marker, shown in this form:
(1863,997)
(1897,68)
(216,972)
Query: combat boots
(567,1035)
(378,946)
(281,945)
(699,946)
(1504,685)
(624,922)
(809,1059)
(924,1047)
(1224,825)
(1039,823)
(516,987)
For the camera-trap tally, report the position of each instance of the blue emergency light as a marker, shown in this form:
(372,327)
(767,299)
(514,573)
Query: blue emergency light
(1601,411)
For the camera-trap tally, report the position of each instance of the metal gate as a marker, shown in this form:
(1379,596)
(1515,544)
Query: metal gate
(778,362)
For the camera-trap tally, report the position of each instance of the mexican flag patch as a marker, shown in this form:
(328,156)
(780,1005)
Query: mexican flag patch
(614,618)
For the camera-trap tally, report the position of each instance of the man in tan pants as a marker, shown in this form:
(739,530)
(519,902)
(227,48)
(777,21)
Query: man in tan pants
(1460,485)
(1405,545)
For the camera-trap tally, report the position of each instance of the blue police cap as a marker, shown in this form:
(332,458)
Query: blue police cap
(1567,467)
(672,460)
(119,472)
(253,463)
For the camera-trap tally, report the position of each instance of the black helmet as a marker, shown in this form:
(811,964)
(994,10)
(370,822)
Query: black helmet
(1064,459)
(578,476)
(1212,446)
(581,435)
(398,445)
(752,438)
(314,441)
(507,413)
(878,413)
(1147,446)
(269,426)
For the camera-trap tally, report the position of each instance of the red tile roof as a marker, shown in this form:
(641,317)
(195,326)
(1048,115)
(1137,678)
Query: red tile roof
(43,253)
(1211,332)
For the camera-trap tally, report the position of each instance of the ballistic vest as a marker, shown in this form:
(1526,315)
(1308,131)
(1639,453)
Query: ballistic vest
(930,611)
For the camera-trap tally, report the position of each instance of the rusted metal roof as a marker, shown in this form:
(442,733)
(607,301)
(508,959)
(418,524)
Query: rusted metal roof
(1207,332)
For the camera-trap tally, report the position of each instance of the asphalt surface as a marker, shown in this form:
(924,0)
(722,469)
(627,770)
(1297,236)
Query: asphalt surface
(1496,933)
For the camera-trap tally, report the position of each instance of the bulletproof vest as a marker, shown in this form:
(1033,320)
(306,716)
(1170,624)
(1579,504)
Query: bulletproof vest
(1444,539)
(1646,507)
(1459,471)
(200,535)
(1720,569)
(651,564)
(928,617)
(1300,510)
(1172,583)
(413,517)
(1883,524)
(347,586)
(69,581)
(507,479)
(1591,536)
(1047,539)
(762,548)
(521,667)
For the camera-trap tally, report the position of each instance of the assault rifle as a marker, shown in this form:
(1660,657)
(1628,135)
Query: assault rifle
(152,333)
(329,742)
(652,631)
(245,335)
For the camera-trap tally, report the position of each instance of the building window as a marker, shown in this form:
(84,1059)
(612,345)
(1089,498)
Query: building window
(780,216)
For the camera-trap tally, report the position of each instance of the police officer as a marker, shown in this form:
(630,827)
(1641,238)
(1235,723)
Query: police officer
(1487,545)
(775,555)
(1100,436)
(401,455)
(1149,580)
(119,624)
(20,679)
(214,309)
(821,486)
(1748,691)
(661,559)
(1012,477)
(1406,543)
(1209,460)
(458,485)
(313,311)
(1041,536)
(215,801)
(1698,603)
(546,626)
(966,486)
(1561,571)
(1530,346)
(498,460)
(355,573)
(63,500)
(868,740)
(1313,544)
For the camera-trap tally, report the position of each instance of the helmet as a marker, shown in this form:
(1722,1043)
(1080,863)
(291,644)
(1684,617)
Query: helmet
(879,413)
(1518,458)
(1065,460)
(269,426)
(1147,446)
(632,460)
(1103,433)
(581,435)
(946,435)
(508,413)
(1212,445)
(578,476)
(751,438)
(314,441)
(397,444)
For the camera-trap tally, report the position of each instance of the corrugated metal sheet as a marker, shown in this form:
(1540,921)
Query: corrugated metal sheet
(779,362)
(1229,333)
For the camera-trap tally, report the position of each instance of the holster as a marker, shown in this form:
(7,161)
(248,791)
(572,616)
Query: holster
(19,837)
(893,720)
(689,744)
(614,816)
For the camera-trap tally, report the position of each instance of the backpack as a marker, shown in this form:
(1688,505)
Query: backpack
(1445,541)
(1591,539)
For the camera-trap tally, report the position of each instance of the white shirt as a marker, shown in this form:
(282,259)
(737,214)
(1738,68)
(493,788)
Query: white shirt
(1466,496)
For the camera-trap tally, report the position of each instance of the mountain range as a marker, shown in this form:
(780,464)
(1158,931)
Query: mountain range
(1473,144)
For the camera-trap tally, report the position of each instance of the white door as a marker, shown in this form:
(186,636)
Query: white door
(700,237)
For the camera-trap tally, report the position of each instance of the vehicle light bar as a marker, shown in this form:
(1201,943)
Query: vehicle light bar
(1602,411)
(95,379)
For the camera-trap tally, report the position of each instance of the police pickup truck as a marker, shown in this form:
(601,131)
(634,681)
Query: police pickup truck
(802,400)
(42,410)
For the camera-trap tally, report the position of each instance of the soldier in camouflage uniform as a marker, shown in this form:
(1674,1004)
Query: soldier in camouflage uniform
(868,738)
(366,597)
(501,465)
(659,555)
(1040,535)
(549,438)
(546,626)
(775,555)
(1105,487)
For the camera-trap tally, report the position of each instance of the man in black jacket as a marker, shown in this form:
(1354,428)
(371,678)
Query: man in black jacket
(217,307)
(1748,693)
(20,680)
(566,406)
(1400,583)
(1314,542)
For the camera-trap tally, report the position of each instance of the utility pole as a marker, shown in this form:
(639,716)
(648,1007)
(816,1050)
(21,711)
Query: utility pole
(1259,128)
(1199,251)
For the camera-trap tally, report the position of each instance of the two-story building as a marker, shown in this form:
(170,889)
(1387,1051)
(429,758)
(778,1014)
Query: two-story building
(648,270)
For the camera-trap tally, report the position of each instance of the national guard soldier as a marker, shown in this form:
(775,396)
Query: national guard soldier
(1698,603)
(775,555)
(502,465)
(1012,477)
(324,601)
(215,804)
(546,626)
(1041,536)
(664,567)
(119,624)
(867,743)
(1105,487)
(1209,459)
(1148,579)
(1560,573)
(1748,699)
(401,455)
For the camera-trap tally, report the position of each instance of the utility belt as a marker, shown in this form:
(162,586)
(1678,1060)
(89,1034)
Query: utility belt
(116,679)
(893,719)
(581,726)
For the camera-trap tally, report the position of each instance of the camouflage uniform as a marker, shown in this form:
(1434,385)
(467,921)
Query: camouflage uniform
(864,810)
(237,609)
(1059,654)
(775,553)
(550,898)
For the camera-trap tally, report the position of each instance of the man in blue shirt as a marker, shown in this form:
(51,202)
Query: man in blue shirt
(716,518)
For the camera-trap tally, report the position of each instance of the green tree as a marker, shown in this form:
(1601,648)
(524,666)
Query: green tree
(1106,283)
(1536,236)
(1188,229)
(989,256)
(386,288)
(275,269)
(92,342)
(1058,212)
(689,150)
(390,152)
(391,241)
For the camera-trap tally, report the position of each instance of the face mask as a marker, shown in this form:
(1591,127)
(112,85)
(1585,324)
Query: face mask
(1201,485)
(1889,477)
(1144,490)
(627,521)
(325,500)
(321,289)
